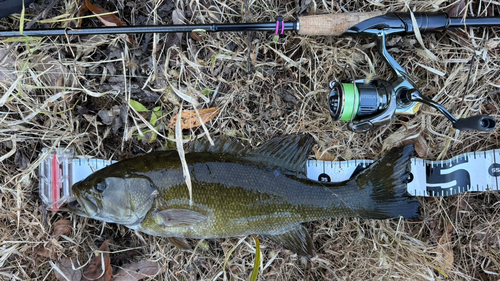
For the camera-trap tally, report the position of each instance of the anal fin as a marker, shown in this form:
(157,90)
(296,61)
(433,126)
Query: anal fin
(297,240)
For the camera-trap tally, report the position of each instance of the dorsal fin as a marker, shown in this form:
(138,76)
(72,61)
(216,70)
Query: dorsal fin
(289,152)
(222,144)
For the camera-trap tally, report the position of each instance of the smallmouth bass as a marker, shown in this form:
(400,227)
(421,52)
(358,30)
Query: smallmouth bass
(238,192)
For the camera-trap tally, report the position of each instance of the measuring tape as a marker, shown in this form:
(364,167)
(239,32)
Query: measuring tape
(474,171)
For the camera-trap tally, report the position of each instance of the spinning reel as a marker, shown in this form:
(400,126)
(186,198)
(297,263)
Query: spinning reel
(374,104)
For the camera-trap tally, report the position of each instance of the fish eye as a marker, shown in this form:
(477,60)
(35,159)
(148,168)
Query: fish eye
(100,187)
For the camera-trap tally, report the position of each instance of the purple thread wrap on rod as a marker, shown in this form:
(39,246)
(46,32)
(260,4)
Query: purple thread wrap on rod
(278,20)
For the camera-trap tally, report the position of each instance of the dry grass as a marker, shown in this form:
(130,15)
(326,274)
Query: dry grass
(55,88)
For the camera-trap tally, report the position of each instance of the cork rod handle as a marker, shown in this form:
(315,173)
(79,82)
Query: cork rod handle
(332,24)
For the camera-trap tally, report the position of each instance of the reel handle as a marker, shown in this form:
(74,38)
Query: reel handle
(482,123)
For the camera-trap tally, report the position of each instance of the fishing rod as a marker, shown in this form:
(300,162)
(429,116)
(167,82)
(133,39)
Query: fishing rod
(365,105)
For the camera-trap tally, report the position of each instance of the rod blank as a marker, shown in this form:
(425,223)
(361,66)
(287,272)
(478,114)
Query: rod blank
(268,26)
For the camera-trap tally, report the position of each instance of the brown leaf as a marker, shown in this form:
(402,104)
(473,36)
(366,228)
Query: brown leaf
(66,267)
(324,156)
(46,251)
(61,227)
(405,137)
(197,37)
(457,9)
(81,12)
(94,270)
(421,147)
(22,162)
(52,71)
(190,119)
(137,271)
(124,257)
(107,20)
(444,251)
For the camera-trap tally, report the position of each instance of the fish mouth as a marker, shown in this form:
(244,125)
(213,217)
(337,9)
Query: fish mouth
(84,208)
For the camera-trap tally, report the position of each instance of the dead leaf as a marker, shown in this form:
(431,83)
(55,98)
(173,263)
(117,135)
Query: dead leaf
(324,156)
(65,267)
(197,37)
(307,6)
(52,72)
(22,162)
(190,119)
(457,9)
(117,116)
(107,20)
(81,12)
(137,271)
(46,251)
(94,270)
(124,257)
(444,251)
(62,227)
(108,116)
(404,137)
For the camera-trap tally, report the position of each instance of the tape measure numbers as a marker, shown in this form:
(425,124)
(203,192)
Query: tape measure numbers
(474,171)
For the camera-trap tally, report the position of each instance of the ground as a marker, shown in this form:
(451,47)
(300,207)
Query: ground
(60,92)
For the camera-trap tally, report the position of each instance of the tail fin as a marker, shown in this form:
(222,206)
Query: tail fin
(388,178)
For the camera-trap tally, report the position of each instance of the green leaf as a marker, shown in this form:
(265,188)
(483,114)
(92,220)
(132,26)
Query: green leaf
(170,145)
(138,106)
(139,137)
(256,263)
(153,137)
(204,245)
(229,254)
(205,92)
(155,115)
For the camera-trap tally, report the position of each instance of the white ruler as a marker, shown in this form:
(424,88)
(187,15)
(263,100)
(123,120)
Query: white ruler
(474,171)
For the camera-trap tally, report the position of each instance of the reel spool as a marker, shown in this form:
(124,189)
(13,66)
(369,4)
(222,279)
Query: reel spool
(357,101)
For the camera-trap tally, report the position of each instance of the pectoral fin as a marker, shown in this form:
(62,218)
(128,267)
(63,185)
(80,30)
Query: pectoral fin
(178,217)
(296,239)
(179,242)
